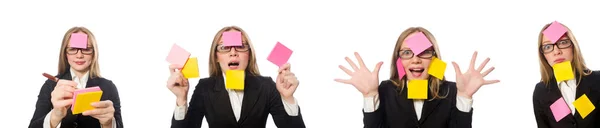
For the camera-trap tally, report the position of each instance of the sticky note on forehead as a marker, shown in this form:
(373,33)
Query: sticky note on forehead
(437,68)
(417,89)
(232,38)
(78,40)
(400,68)
(418,43)
(234,79)
(584,106)
(280,54)
(563,71)
(554,32)
(178,55)
(190,70)
(560,109)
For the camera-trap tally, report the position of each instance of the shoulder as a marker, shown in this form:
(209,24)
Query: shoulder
(387,84)
(540,89)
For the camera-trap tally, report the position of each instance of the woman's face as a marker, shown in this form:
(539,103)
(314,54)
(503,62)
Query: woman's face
(415,66)
(558,52)
(80,59)
(233,57)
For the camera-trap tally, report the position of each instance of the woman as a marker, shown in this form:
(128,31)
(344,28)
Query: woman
(227,108)
(549,90)
(448,104)
(78,68)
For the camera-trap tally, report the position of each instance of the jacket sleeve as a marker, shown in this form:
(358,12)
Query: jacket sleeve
(376,119)
(458,119)
(113,95)
(277,110)
(43,105)
(195,113)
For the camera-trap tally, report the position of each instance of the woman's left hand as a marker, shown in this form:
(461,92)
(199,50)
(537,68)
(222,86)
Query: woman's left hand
(104,111)
(469,82)
(286,83)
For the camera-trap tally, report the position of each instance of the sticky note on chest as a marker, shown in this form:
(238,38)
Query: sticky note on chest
(234,79)
(78,40)
(437,68)
(554,32)
(232,39)
(178,55)
(584,106)
(280,54)
(83,99)
(417,89)
(418,43)
(560,109)
(190,70)
(563,71)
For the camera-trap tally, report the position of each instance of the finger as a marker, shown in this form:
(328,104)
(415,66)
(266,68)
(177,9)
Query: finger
(94,112)
(482,65)
(343,81)
(360,60)
(377,67)
(490,82)
(456,69)
(473,58)
(488,71)
(63,102)
(173,67)
(284,67)
(346,70)
(352,64)
(102,104)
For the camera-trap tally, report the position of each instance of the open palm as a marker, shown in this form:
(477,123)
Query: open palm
(469,82)
(362,78)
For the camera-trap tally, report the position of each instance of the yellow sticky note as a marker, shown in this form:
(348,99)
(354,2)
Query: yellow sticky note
(234,79)
(84,101)
(563,71)
(437,68)
(190,70)
(417,89)
(584,106)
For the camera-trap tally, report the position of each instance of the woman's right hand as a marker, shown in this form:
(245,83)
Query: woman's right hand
(362,79)
(61,98)
(178,84)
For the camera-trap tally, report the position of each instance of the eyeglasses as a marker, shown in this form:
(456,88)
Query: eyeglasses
(243,48)
(87,51)
(408,54)
(562,44)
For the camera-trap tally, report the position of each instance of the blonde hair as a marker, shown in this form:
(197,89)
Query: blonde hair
(63,64)
(213,65)
(578,64)
(435,83)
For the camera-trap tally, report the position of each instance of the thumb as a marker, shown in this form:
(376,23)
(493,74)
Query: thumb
(377,67)
(456,69)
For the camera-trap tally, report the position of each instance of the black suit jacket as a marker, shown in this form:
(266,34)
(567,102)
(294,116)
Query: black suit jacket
(261,97)
(544,95)
(396,111)
(44,105)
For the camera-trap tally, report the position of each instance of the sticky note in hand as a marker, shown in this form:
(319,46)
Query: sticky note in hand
(418,43)
(83,99)
(190,70)
(584,106)
(437,68)
(400,68)
(232,39)
(554,32)
(417,89)
(234,79)
(280,54)
(78,40)
(560,109)
(178,55)
(563,71)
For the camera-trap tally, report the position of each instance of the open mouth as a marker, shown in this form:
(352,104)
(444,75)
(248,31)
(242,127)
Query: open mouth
(233,65)
(416,72)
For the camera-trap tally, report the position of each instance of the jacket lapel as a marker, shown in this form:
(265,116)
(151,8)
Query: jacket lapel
(251,95)
(553,95)
(407,104)
(585,87)
(219,99)
(430,105)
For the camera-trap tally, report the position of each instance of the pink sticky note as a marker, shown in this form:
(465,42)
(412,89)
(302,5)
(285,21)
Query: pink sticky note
(560,109)
(400,68)
(280,54)
(418,43)
(78,40)
(555,31)
(232,38)
(178,55)
(79,91)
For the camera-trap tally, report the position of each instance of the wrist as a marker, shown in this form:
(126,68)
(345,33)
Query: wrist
(107,124)
(288,99)
(370,94)
(181,101)
(464,94)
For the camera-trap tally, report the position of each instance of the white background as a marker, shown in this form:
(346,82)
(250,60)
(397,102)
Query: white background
(134,38)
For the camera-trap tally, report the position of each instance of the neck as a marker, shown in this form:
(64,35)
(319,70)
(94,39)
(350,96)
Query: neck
(79,74)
